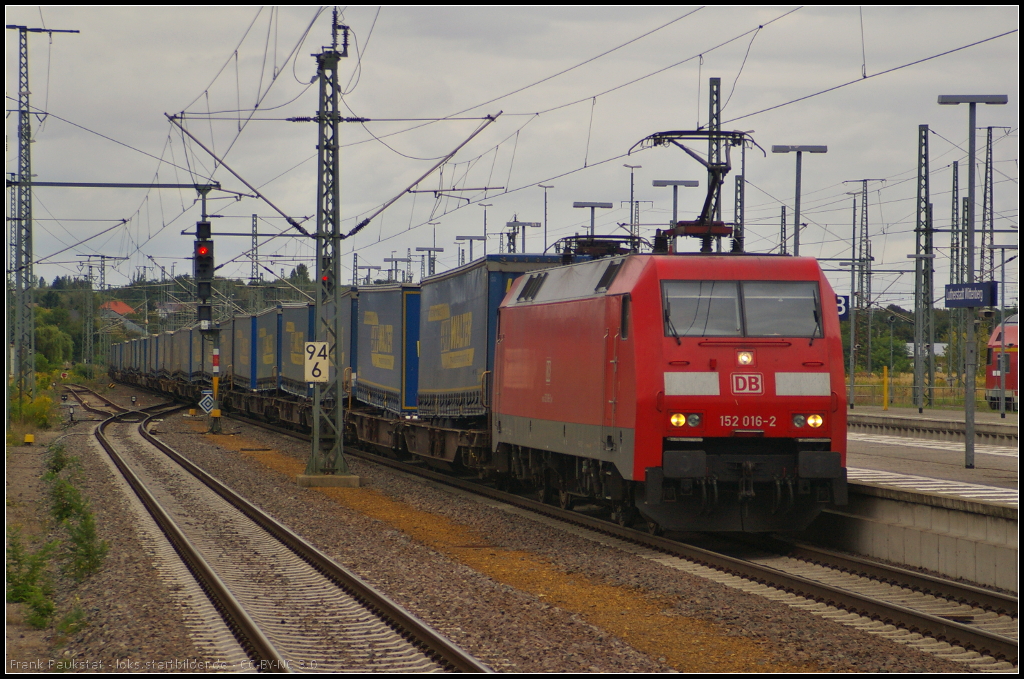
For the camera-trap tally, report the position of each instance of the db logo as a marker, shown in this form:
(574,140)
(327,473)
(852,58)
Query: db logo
(747,383)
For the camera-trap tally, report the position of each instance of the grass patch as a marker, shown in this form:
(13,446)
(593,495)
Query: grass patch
(72,623)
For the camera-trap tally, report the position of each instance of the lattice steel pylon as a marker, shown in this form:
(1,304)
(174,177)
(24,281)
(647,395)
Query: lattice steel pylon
(12,257)
(861,295)
(24,339)
(987,267)
(955,350)
(89,316)
(863,259)
(24,280)
(715,149)
(924,267)
(327,454)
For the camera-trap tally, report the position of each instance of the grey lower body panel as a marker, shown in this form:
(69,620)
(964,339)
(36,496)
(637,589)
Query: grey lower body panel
(608,444)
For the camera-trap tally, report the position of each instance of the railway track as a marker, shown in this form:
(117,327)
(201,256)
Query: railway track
(288,605)
(931,613)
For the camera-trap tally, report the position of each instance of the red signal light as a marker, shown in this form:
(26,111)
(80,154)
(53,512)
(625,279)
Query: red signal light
(202,250)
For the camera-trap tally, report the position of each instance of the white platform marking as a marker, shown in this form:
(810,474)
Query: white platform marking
(952,446)
(923,484)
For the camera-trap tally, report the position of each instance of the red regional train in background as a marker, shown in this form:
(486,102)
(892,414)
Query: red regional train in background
(997,344)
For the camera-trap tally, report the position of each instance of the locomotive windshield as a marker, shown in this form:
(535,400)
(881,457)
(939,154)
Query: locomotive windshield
(741,309)
(701,308)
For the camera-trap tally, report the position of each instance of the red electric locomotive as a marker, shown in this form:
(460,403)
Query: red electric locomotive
(703,391)
(1002,356)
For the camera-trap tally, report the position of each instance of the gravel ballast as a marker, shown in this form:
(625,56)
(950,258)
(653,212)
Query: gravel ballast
(512,591)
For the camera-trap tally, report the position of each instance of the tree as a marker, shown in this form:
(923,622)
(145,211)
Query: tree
(50,300)
(53,344)
(299,276)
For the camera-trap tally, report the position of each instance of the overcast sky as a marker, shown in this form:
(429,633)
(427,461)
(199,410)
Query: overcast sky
(107,90)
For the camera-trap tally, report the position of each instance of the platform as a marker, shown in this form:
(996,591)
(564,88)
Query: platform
(957,529)
(934,423)
(913,501)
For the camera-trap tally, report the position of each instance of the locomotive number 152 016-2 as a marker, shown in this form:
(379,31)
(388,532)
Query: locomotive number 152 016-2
(747,420)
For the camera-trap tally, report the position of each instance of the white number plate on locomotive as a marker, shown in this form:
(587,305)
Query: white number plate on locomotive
(747,420)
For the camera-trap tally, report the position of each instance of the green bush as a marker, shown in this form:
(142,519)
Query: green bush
(36,412)
(27,579)
(85,553)
(65,499)
(58,459)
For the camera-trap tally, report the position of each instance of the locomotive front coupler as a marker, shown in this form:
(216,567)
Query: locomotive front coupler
(746,481)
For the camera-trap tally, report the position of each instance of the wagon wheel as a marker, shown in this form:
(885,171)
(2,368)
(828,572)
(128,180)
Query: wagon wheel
(653,527)
(565,500)
(547,489)
(624,514)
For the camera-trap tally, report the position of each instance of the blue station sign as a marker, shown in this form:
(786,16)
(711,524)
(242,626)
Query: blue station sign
(843,306)
(963,295)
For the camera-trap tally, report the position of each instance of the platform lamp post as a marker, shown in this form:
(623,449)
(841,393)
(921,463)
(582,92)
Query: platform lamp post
(1003,363)
(516,225)
(393,269)
(471,239)
(920,261)
(545,187)
(431,258)
(972,100)
(799,150)
(675,184)
(592,206)
(369,269)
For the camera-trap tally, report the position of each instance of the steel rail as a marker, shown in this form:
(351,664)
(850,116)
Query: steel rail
(399,617)
(248,634)
(988,600)
(940,628)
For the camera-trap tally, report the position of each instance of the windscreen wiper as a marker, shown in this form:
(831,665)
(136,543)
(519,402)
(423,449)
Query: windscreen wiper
(671,326)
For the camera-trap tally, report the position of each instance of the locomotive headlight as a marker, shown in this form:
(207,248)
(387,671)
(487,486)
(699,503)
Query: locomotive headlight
(799,420)
(693,420)
(814,420)
(745,357)
(678,420)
